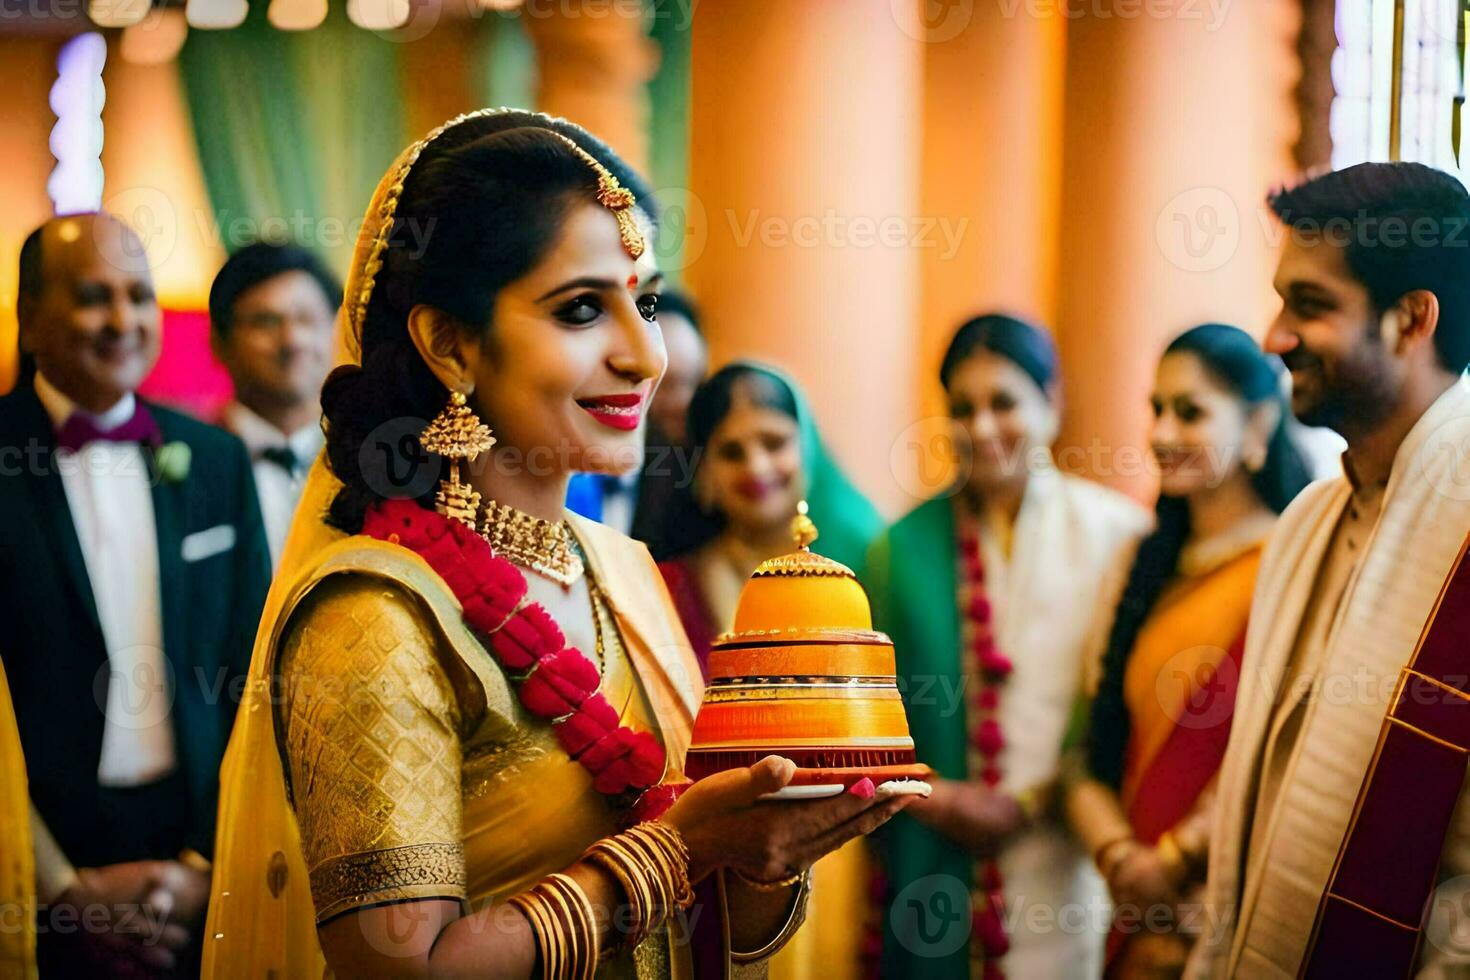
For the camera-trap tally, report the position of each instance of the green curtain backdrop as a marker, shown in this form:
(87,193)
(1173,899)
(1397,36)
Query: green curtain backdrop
(505,63)
(668,143)
(294,128)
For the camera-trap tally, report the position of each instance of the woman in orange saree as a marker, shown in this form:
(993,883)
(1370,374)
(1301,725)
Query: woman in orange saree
(1161,717)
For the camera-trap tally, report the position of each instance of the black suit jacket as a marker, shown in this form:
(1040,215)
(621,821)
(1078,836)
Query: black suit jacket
(51,639)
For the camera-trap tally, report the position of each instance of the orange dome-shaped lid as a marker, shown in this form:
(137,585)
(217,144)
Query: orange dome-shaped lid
(802,591)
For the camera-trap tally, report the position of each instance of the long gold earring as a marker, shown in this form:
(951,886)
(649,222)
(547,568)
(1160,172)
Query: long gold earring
(457,434)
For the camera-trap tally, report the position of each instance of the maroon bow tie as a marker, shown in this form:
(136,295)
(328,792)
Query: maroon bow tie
(81,428)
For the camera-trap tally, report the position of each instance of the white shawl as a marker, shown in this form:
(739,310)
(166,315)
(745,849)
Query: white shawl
(1069,536)
(1252,927)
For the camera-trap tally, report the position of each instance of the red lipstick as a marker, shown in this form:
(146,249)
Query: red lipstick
(622,412)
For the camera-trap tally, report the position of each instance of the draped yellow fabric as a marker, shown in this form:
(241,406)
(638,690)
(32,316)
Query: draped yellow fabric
(17,862)
(540,811)
(1184,640)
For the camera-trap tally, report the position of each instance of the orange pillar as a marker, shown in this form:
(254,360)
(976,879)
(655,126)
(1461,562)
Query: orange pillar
(153,180)
(593,61)
(992,165)
(803,208)
(27,69)
(1177,126)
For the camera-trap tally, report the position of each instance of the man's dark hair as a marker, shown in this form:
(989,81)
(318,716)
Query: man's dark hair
(32,276)
(680,304)
(1402,226)
(253,265)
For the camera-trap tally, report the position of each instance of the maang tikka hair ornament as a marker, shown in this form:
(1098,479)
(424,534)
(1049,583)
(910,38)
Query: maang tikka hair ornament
(457,434)
(611,194)
(616,198)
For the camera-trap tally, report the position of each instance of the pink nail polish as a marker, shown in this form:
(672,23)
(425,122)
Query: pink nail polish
(862,789)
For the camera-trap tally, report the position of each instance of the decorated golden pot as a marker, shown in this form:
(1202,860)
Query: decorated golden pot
(804,675)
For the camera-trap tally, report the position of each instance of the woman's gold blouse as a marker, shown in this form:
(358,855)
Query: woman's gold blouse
(405,784)
(373,733)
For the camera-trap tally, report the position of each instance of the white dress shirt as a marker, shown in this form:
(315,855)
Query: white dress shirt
(277,489)
(111,504)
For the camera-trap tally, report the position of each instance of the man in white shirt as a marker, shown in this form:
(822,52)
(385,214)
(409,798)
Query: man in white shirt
(271,309)
(133,568)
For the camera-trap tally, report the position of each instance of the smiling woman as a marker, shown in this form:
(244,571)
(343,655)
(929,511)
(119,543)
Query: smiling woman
(484,704)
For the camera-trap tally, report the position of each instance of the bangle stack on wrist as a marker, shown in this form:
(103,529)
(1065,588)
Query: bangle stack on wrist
(651,863)
(561,916)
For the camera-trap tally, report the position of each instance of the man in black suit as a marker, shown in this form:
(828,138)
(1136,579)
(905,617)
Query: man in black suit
(133,568)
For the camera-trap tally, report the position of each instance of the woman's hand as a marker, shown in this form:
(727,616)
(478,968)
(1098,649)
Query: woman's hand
(971,814)
(1141,878)
(726,824)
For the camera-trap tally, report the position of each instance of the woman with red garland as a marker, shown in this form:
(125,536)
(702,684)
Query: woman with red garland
(990,593)
(460,749)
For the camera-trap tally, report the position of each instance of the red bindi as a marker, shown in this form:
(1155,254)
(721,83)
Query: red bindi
(633,280)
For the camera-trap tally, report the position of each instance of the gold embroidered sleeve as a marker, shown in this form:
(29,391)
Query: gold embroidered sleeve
(371,729)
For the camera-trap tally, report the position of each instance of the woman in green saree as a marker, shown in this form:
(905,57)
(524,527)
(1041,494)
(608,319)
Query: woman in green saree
(989,592)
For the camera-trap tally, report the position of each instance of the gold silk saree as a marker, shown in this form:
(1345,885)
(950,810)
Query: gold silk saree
(379,754)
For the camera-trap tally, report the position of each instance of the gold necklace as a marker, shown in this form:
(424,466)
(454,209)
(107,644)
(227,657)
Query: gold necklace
(595,598)
(539,546)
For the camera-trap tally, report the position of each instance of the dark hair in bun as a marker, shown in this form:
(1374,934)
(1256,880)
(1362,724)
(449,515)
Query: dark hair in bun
(481,207)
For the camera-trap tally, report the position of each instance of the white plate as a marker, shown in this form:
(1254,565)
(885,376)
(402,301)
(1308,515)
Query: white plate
(894,787)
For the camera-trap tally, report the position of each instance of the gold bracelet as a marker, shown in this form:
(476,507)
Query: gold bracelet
(633,886)
(779,884)
(195,861)
(532,906)
(794,919)
(1175,864)
(581,924)
(651,863)
(676,860)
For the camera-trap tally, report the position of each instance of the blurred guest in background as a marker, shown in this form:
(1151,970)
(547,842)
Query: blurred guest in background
(654,504)
(991,594)
(271,310)
(760,454)
(133,569)
(1161,716)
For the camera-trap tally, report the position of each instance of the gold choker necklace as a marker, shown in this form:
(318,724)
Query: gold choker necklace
(536,545)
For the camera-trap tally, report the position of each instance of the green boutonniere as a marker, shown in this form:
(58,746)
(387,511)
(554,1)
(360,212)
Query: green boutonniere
(172,461)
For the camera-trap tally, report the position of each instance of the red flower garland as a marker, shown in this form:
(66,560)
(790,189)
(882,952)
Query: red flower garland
(988,738)
(553,680)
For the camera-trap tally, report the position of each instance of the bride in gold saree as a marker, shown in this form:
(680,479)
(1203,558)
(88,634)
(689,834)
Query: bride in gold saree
(466,707)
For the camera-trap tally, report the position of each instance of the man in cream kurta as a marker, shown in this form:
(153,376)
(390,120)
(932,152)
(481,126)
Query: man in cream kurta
(1377,338)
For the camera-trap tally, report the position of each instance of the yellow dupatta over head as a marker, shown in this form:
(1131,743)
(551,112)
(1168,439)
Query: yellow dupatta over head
(262,919)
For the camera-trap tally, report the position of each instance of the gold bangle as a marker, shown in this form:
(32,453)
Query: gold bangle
(550,939)
(633,892)
(794,919)
(769,886)
(676,860)
(195,861)
(1175,864)
(640,884)
(580,921)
